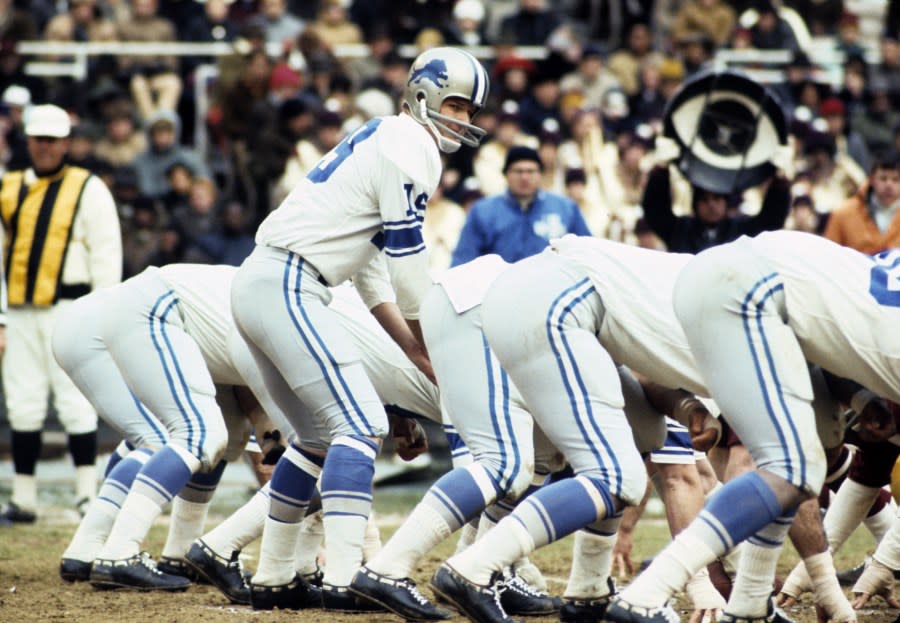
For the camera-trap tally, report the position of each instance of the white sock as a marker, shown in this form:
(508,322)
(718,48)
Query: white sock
(276,553)
(591,563)
(312,533)
(24,493)
(753,585)
(467,535)
(92,531)
(422,530)
(241,527)
(731,561)
(486,523)
(669,572)
(131,526)
(847,510)
(880,523)
(185,525)
(344,536)
(827,591)
(85,482)
(372,540)
(509,540)
(529,572)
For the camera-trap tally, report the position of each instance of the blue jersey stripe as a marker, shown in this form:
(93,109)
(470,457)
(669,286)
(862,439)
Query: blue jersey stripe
(402,239)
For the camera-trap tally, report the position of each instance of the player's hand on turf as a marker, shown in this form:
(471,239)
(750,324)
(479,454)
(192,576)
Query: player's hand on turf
(876,581)
(708,602)
(623,565)
(795,585)
(710,615)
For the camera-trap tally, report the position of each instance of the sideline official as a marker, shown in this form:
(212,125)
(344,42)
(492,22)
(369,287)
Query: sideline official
(61,240)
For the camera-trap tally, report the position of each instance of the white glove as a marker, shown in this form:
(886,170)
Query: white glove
(797,582)
(783,159)
(666,150)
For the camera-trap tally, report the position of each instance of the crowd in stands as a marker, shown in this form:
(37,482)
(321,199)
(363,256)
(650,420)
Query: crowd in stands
(591,106)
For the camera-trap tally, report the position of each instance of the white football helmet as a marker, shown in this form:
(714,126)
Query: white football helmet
(434,76)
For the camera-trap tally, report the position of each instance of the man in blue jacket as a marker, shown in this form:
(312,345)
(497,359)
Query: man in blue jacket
(521,221)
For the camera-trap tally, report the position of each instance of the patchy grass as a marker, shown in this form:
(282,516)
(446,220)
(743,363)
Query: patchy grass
(30,588)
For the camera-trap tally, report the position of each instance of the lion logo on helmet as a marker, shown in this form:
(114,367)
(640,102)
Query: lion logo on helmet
(434,70)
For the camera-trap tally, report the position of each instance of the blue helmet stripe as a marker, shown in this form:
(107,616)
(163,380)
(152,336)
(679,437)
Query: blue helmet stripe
(475,84)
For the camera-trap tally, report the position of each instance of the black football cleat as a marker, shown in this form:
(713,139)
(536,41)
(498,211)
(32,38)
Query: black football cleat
(774,615)
(72,570)
(13,514)
(399,596)
(177,566)
(296,595)
(226,574)
(480,603)
(137,573)
(848,577)
(521,598)
(586,609)
(340,599)
(620,611)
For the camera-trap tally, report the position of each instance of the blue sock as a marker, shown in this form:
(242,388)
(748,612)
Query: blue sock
(346,488)
(558,509)
(293,484)
(202,485)
(163,476)
(742,507)
(118,481)
(119,453)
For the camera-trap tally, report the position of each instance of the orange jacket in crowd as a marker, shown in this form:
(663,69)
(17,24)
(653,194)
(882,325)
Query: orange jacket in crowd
(852,226)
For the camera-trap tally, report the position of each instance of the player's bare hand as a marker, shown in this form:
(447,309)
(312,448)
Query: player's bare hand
(785,601)
(702,438)
(623,565)
(2,340)
(423,363)
(409,438)
(876,581)
(705,430)
(710,615)
(876,422)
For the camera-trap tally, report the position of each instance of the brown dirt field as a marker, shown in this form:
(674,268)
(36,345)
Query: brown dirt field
(31,590)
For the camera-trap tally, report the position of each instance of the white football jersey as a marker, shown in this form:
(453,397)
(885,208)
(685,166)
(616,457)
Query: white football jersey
(367,194)
(467,284)
(640,329)
(204,297)
(843,306)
